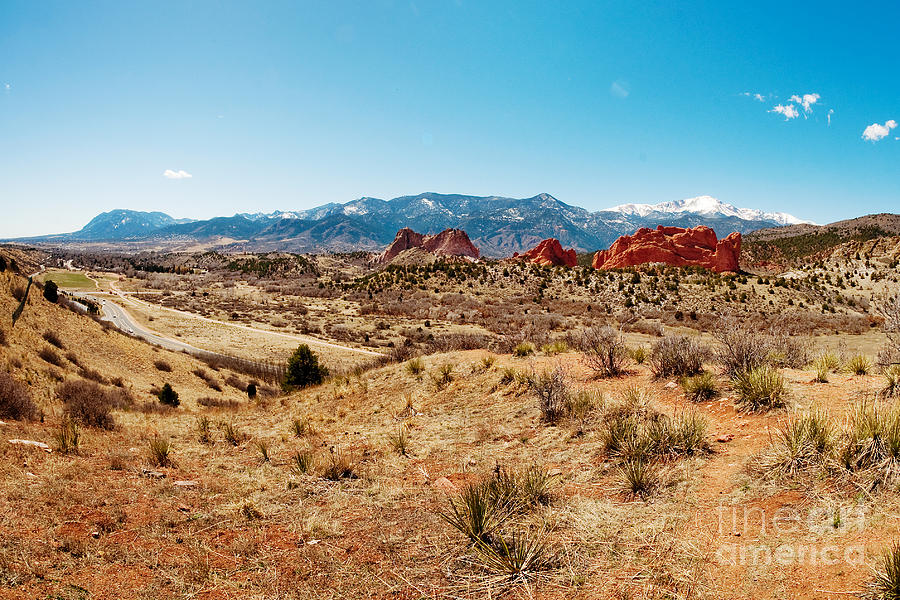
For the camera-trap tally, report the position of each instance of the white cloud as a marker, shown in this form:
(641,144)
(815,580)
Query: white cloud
(170,174)
(830,114)
(759,97)
(876,131)
(789,111)
(7,87)
(620,89)
(806,101)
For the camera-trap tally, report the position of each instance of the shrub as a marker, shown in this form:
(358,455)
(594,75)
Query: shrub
(162,365)
(204,430)
(885,583)
(210,402)
(160,451)
(415,367)
(487,362)
(552,393)
(251,390)
(700,387)
(15,399)
(583,404)
(443,377)
(821,367)
(340,466)
(303,369)
(507,376)
(677,355)
(68,437)
(557,347)
(86,402)
(859,364)
(741,348)
(523,349)
(53,339)
(50,355)
(638,355)
(604,351)
(761,389)
(263,447)
(168,396)
(51,291)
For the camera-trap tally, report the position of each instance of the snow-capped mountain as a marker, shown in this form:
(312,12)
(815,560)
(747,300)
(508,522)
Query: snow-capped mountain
(707,205)
(499,226)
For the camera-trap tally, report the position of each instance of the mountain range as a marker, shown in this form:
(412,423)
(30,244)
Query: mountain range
(498,226)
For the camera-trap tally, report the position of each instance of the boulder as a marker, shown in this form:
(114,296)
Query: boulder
(549,252)
(450,242)
(674,246)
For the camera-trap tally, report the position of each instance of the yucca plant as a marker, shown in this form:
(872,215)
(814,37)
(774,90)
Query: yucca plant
(68,437)
(507,376)
(802,442)
(640,476)
(820,365)
(885,583)
(340,466)
(443,377)
(415,367)
(523,349)
(301,426)
(831,361)
(303,462)
(689,433)
(700,387)
(160,451)
(262,446)
(859,365)
(204,430)
(872,442)
(399,440)
(891,381)
(760,389)
(517,556)
(476,514)
(232,435)
(487,362)
(638,355)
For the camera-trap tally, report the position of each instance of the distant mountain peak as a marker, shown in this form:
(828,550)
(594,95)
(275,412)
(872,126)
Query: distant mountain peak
(707,205)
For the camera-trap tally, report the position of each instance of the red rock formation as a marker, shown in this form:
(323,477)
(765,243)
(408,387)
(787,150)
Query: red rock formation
(450,242)
(673,246)
(549,252)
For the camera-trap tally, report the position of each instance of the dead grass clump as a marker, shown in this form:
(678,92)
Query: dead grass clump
(87,403)
(210,402)
(523,349)
(634,429)
(399,440)
(52,338)
(678,355)
(232,435)
(870,444)
(552,393)
(262,446)
(415,367)
(93,375)
(604,351)
(340,465)
(162,365)
(15,399)
(443,377)
(891,381)
(51,356)
(204,430)
(301,426)
(640,476)
(801,445)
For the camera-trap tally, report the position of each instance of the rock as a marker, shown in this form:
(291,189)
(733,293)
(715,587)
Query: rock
(444,484)
(186,483)
(674,246)
(549,252)
(671,385)
(450,242)
(725,437)
(153,474)
(183,508)
(40,445)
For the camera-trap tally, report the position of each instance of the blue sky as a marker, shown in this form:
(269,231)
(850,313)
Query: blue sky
(288,105)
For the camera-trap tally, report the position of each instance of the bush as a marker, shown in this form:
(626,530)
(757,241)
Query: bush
(251,390)
(799,446)
(53,339)
(51,356)
(677,355)
(741,348)
(2,337)
(86,402)
(303,369)
(15,399)
(885,583)
(604,351)
(163,366)
(891,381)
(638,355)
(761,389)
(51,291)
(700,387)
(210,402)
(168,396)
(552,394)
(443,377)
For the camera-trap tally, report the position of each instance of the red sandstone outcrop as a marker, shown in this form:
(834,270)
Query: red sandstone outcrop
(549,252)
(450,242)
(673,246)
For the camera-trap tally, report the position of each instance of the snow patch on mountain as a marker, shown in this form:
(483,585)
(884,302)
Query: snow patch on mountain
(706,205)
